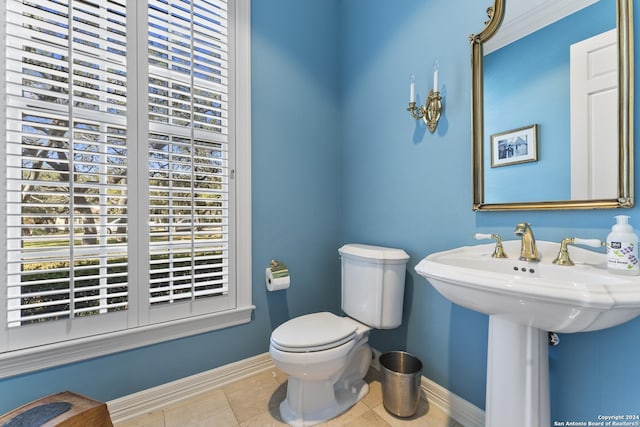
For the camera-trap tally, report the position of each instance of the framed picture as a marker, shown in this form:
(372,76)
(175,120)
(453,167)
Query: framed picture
(514,146)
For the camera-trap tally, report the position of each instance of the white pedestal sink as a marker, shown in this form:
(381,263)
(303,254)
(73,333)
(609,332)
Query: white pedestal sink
(524,301)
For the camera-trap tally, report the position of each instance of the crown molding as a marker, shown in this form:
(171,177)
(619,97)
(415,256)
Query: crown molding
(532,19)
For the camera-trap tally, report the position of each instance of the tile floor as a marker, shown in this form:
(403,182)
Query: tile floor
(254,401)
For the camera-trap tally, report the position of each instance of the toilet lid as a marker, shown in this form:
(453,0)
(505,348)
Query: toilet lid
(313,332)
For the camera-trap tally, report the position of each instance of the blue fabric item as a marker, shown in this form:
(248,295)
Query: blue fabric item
(39,415)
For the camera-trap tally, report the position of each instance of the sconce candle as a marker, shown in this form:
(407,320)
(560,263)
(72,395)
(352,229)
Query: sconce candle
(412,89)
(436,71)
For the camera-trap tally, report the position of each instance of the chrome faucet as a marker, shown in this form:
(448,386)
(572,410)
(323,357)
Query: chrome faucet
(528,249)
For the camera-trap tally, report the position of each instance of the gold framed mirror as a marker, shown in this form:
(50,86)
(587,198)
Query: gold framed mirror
(526,177)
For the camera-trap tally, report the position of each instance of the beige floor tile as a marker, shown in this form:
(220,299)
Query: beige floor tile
(255,401)
(255,395)
(426,416)
(374,397)
(266,419)
(347,418)
(271,416)
(369,419)
(438,418)
(209,409)
(152,419)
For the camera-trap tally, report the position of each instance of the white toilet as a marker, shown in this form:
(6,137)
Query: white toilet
(327,356)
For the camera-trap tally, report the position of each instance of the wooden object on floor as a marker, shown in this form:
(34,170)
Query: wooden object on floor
(64,409)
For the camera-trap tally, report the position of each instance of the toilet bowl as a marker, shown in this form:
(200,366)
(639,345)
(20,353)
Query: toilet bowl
(327,356)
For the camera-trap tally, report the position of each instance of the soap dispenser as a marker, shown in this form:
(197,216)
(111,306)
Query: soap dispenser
(622,248)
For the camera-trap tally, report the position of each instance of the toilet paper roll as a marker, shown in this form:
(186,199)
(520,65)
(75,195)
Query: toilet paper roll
(278,283)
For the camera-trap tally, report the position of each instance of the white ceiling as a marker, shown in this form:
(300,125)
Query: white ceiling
(523,17)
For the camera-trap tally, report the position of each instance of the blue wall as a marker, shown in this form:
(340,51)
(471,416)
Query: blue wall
(337,158)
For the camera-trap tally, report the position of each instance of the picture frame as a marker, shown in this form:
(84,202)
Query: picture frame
(515,146)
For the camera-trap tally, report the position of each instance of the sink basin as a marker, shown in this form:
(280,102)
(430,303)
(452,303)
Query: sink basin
(579,298)
(524,300)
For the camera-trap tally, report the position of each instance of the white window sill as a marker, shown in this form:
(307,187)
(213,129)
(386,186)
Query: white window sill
(34,359)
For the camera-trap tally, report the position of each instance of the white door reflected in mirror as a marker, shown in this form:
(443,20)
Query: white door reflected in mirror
(594,117)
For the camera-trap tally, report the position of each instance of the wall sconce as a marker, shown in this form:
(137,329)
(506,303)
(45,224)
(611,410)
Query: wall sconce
(431,111)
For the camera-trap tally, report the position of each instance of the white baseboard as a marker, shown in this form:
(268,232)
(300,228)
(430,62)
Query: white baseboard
(453,405)
(155,398)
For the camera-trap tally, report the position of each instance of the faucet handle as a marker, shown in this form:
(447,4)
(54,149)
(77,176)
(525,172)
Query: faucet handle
(498,252)
(563,254)
(482,236)
(595,243)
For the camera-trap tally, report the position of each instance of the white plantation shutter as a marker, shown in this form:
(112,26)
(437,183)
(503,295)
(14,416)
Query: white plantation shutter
(66,159)
(83,257)
(188,150)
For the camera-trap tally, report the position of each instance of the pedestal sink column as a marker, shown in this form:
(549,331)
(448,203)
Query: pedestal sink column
(517,375)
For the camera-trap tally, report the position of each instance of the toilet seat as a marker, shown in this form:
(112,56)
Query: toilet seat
(314,332)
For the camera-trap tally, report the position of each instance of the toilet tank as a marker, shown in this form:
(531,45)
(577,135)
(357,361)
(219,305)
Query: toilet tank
(373,284)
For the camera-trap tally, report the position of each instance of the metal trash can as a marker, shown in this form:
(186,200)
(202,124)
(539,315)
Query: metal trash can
(401,374)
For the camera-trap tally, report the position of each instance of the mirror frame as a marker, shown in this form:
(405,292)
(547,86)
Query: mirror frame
(624,24)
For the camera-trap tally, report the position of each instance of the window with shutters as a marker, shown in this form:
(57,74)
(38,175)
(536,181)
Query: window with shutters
(126,173)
